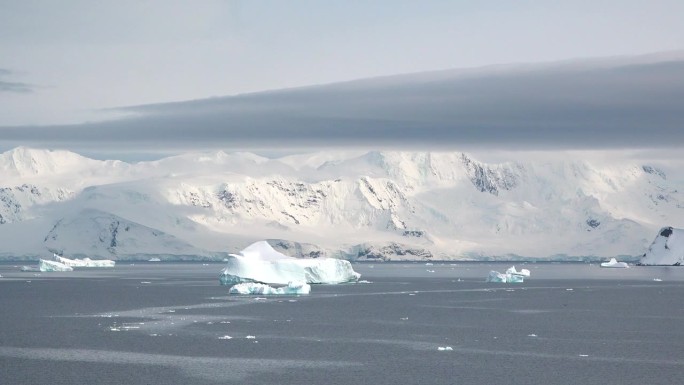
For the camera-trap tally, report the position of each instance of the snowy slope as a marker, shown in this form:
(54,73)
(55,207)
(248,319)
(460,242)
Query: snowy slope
(372,205)
(666,249)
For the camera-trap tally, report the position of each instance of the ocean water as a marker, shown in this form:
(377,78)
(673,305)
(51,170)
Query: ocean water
(408,323)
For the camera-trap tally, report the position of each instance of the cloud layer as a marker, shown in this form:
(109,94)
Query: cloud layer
(635,102)
(6,86)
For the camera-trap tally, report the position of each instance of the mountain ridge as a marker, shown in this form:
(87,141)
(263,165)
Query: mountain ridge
(373,205)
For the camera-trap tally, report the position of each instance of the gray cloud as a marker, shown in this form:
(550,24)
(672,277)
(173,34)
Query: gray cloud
(616,103)
(12,86)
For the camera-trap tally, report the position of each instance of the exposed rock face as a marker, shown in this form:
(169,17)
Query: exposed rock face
(392,251)
(16,199)
(489,179)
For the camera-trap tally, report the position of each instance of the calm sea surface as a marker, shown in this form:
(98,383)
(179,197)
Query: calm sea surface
(406,324)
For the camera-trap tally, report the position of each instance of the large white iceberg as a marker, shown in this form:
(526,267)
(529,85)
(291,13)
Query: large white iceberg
(510,276)
(666,249)
(259,262)
(614,264)
(85,262)
(262,289)
(45,265)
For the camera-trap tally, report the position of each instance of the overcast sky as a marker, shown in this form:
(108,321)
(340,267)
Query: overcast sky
(67,66)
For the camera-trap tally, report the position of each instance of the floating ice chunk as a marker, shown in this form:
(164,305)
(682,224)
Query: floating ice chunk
(523,272)
(85,262)
(154,260)
(263,289)
(495,276)
(657,280)
(261,263)
(225,338)
(615,264)
(45,265)
(511,276)
(444,348)
(514,278)
(29,268)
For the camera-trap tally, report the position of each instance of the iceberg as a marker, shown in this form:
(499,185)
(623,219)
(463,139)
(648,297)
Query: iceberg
(523,272)
(155,259)
(495,276)
(292,288)
(260,263)
(666,249)
(615,264)
(511,276)
(85,262)
(45,265)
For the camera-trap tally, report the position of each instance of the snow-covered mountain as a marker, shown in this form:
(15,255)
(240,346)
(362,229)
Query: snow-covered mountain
(374,205)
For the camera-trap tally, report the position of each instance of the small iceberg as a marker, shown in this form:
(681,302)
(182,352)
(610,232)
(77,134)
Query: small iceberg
(510,276)
(615,264)
(45,265)
(154,260)
(85,262)
(292,288)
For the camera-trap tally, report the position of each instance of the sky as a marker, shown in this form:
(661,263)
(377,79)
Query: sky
(154,77)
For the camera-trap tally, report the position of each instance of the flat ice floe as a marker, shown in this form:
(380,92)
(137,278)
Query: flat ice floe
(85,262)
(292,288)
(615,264)
(667,248)
(511,276)
(260,263)
(45,265)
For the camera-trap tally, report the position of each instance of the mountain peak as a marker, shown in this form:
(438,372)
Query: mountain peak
(23,162)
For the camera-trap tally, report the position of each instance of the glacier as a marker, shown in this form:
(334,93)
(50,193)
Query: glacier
(85,262)
(667,248)
(260,263)
(292,288)
(46,265)
(613,263)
